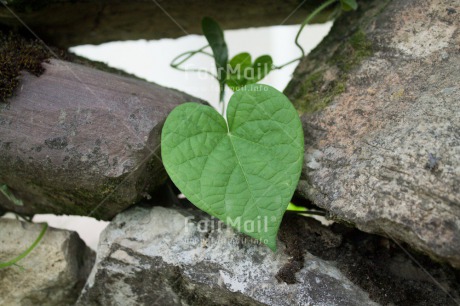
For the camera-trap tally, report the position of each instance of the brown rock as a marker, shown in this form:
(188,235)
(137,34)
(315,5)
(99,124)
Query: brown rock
(80,141)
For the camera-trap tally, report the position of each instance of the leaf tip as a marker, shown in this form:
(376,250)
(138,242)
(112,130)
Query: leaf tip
(271,243)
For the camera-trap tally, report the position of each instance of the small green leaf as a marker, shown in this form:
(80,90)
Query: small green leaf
(348,5)
(215,37)
(243,59)
(237,70)
(243,172)
(262,66)
(242,71)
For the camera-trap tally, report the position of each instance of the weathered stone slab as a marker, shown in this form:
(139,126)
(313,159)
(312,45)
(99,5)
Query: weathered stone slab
(165,256)
(81,141)
(380,104)
(52,274)
(177,256)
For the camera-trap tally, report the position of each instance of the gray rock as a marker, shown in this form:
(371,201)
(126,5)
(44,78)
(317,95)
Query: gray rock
(165,256)
(53,273)
(380,104)
(80,141)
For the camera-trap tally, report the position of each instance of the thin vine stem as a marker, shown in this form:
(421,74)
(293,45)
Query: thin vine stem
(183,57)
(26,252)
(186,56)
(189,54)
(318,10)
(286,64)
(223,104)
(307,20)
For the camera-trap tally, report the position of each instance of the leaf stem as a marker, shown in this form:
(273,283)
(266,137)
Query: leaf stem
(286,64)
(26,252)
(223,108)
(318,10)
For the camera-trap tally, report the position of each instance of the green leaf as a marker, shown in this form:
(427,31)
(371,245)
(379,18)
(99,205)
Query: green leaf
(242,71)
(244,172)
(348,5)
(262,66)
(215,37)
(238,66)
(243,59)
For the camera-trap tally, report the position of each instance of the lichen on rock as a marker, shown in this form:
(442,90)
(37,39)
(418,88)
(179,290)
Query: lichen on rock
(18,54)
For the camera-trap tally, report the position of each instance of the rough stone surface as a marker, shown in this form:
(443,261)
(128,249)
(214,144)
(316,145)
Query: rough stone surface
(166,256)
(53,273)
(68,23)
(392,273)
(80,141)
(380,104)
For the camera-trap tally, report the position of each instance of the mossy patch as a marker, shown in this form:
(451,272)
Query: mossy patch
(17,54)
(315,92)
(357,48)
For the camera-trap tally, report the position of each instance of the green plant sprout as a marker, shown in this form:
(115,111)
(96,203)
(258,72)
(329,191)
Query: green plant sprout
(293,207)
(240,70)
(243,170)
(26,252)
(10,196)
(303,211)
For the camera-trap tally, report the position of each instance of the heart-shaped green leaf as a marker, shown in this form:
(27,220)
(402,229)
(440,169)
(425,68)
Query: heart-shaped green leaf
(242,71)
(243,172)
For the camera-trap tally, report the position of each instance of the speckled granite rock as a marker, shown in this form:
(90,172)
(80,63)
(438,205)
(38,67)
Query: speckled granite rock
(164,256)
(54,272)
(380,104)
(81,141)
